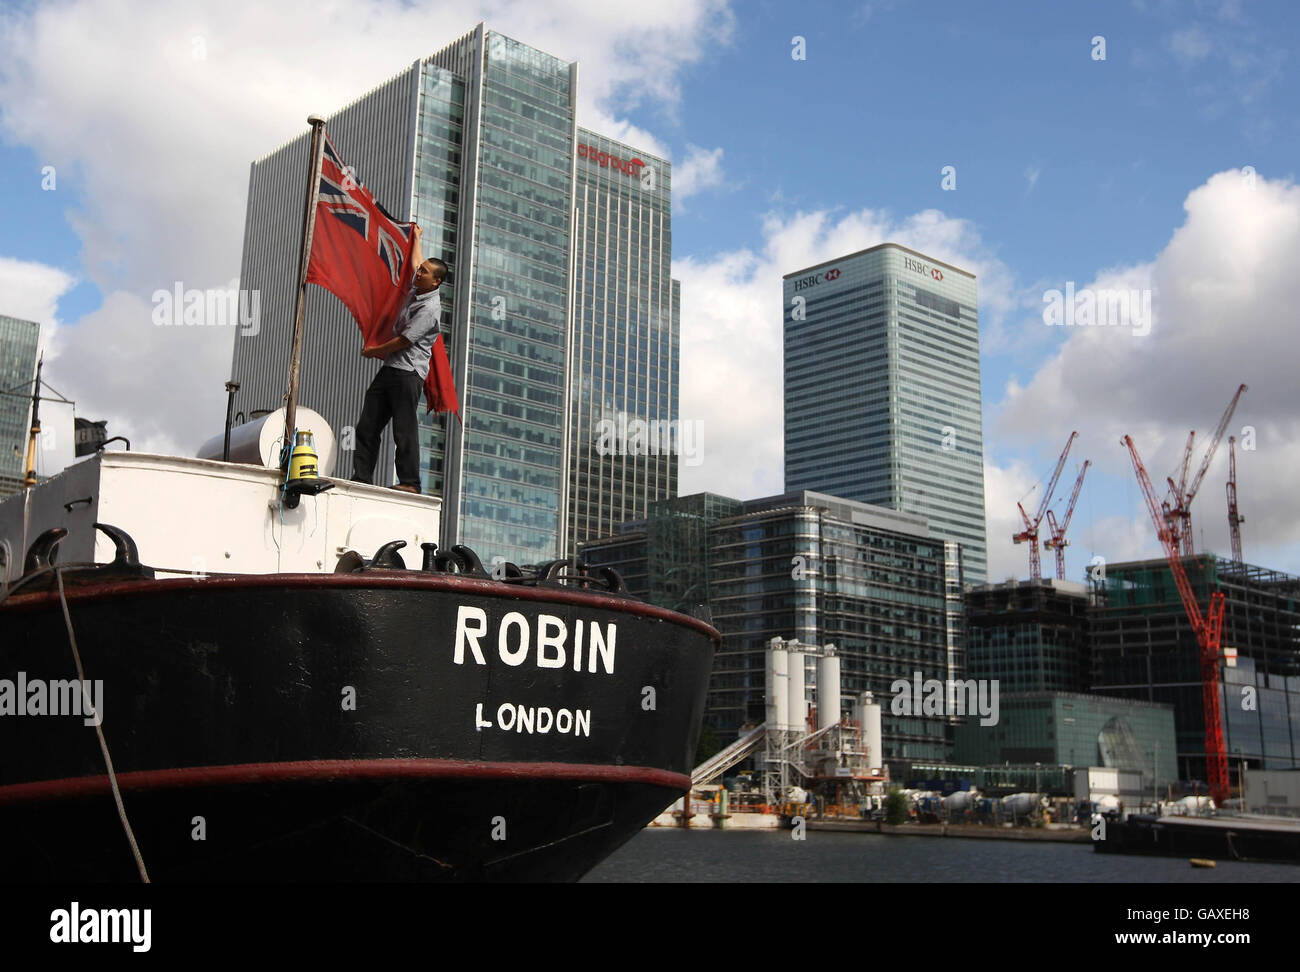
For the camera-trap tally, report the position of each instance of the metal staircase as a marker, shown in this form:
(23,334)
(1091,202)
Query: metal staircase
(720,762)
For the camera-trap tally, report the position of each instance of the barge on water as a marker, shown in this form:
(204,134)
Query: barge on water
(279,707)
(1216,838)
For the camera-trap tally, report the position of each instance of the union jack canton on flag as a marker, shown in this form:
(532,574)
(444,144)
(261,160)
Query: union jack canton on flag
(359,253)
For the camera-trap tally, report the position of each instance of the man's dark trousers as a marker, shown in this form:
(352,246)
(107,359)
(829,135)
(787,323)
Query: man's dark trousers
(394,394)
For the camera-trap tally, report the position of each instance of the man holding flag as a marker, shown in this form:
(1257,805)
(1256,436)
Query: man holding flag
(395,391)
(359,253)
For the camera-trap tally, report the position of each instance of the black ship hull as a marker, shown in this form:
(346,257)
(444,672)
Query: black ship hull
(383,725)
(1216,838)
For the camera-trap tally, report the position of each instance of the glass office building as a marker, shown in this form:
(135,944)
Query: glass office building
(18,341)
(882,390)
(479,144)
(1030,635)
(801,565)
(1075,730)
(626,443)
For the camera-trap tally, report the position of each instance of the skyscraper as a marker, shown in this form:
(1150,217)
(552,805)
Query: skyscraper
(18,340)
(479,144)
(882,390)
(626,338)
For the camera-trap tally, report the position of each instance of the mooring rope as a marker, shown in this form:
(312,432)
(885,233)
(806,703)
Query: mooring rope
(99,731)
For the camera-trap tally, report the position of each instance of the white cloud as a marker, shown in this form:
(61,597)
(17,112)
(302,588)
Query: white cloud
(32,291)
(152,114)
(866,11)
(1003,488)
(731,349)
(1223,315)
(147,381)
(700,170)
(1190,44)
(1032,172)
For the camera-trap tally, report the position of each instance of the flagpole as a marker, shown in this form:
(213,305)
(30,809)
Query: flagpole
(304,258)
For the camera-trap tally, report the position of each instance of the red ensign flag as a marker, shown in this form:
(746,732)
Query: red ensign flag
(359,253)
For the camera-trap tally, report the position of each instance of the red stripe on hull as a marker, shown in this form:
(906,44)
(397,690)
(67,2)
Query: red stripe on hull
(339,770)
(411,580)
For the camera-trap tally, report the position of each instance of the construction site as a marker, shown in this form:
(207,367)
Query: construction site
(1156,685)
(807,751)
(1215,638)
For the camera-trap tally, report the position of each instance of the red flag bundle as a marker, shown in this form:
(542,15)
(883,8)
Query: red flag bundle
(439,389)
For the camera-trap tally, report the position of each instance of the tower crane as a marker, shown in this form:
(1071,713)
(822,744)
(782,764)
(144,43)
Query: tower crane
(1057,540)
(1178,513)
(1029,534)
(1235,519)
(1208,629)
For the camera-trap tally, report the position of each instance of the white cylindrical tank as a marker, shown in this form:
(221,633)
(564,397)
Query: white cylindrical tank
(872,737)
(797,706)
(1021,804)
(258,443)
(778,674)
(960,800)
(828,688)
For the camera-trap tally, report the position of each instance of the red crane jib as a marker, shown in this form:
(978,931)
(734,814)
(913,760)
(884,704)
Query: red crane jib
(1207,628)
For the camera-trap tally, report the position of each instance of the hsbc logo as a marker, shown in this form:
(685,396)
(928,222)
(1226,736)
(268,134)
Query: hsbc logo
(813,279)
(922,268)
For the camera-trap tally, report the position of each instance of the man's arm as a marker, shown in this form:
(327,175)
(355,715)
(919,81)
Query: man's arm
(417,253)
(387,348)
(398,343)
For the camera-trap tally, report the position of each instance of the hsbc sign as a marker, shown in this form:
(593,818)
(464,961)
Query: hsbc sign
(922,268)
(813,279)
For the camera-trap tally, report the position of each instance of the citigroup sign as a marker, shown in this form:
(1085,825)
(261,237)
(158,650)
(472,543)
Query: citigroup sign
(922,268)
(631,166)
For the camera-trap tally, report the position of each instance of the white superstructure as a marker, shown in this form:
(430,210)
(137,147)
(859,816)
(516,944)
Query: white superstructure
(201,516)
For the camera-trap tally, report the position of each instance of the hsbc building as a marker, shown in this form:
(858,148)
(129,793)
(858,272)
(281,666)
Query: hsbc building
(882,390)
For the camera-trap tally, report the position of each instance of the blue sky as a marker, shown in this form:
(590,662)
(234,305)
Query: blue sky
(1068,168)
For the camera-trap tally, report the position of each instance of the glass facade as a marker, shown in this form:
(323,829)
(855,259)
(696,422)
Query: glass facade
(808,566)
(435,206)
(1071,729)
(882,390)
(626,440)
(1143,647)
(517,320)
(1031,636)
(18,341)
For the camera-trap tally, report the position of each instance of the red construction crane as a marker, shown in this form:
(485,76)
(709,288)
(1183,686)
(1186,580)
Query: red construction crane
(1235,519)
(1208,630)
(1178,514)
(1029,534)
(1057,540)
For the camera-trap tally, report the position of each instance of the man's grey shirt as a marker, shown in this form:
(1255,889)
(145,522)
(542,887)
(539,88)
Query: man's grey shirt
(418,323)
